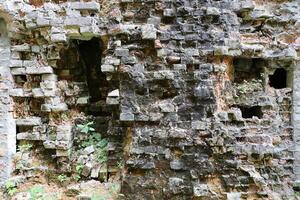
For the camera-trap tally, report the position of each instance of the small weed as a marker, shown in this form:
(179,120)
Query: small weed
(101,155)
(77,177)
(20,165)
(101,150)
(297,188)
(120,164)
(95,139)
(78,170)
(92,139)
(10,188)
(86,128)
(25,147)
(62,178)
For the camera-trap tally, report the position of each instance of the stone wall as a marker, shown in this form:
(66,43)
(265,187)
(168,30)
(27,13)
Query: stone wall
(195,97)
(8,127)
(295,120)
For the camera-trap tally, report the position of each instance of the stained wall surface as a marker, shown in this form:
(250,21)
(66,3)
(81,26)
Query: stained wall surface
(8,127)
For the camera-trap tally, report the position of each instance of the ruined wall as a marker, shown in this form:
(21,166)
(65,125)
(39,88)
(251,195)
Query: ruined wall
(195,97)
(8,129)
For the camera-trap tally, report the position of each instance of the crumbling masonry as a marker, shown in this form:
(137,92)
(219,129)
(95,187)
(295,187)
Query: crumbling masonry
(198,99)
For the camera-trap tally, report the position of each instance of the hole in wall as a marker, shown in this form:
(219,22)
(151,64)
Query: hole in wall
(192,67)
(80,62)
(20,80)
(246,69)
(69,67)
(279,79)
(21,129)
(90,52)
(251,111)
(34,81)
(27,81)
(24,55)
(80,67)
(168,20)
(24,107)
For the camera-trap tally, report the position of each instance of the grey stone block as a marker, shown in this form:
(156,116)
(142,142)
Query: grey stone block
(39,70)
(166,106)
(61,107)
(21,48)
(149,32)
(107,68)
(199,125)
(177,165)
(33,121)
(18,71)
(84,5)
(200,190)
(58,37)
(127,117)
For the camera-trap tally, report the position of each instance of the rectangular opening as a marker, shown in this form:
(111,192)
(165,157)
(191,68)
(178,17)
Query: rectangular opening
(278,79)
(20,80)
(246,69)
(251,111)
(27,106)
(34,81)
(80,62)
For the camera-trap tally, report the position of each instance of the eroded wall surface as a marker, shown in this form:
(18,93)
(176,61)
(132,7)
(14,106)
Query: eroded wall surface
(8,127)
(197,97)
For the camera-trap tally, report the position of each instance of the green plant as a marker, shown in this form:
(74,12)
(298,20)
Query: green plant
(77,177)
(78,170)
(297,187)
(25,147)
(62,178)
(101,155)
(19,165)
(101,150)
(95,139)
(120,164)
(37,192)
(10,188)
(86,128)
(92,139)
